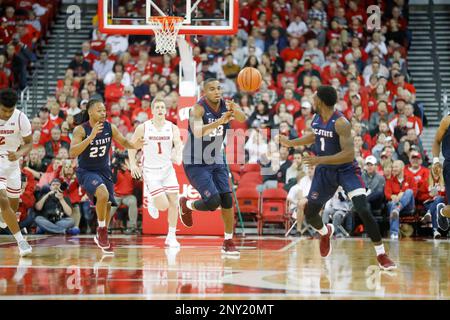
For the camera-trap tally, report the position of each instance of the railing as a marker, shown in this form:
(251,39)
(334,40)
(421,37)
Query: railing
(25,99)
(435,57)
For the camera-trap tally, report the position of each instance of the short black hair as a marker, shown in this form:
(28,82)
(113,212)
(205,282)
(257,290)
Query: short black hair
(328,95)
(209,80)
(8,98)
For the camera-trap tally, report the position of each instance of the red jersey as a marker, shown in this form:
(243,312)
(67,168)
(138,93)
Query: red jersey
(393,186)
(421,178)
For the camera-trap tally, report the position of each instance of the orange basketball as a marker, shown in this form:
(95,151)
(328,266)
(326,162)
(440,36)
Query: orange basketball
(249,79)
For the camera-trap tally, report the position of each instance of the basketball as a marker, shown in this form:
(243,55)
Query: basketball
(249,79)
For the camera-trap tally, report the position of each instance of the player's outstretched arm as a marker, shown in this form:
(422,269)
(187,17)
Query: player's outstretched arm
(79,143)
(138,134)
(177,145)
(436,149)
(307,139)
(198,128)
(134,144)
(347,153)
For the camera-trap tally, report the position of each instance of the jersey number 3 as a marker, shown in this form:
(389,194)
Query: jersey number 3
(94,152)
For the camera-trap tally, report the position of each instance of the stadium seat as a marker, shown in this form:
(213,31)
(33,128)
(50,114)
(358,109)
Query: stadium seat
(248,199)
(273,209)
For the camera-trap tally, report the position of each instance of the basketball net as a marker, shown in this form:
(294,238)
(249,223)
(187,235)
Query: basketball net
(166,30)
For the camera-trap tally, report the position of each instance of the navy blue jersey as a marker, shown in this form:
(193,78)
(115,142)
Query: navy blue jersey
(96,156)
(207,149)
(327,139)
(446,145)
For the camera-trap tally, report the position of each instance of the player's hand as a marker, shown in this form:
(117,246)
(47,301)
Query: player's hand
(13,156)
(226,117)
(311,161)
(437,168)
(283,140)
(136,172)
(139,143)
(98,128)
(231,105)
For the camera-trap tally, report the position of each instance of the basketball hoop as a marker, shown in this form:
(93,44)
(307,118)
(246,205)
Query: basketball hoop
(166,30)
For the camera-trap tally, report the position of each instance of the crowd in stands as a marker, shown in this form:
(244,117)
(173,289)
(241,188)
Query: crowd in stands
(297,45)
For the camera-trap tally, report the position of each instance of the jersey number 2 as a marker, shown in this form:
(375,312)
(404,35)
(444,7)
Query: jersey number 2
(322,144)
(94,152)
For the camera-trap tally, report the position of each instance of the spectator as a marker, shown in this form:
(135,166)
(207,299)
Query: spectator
(111,75)
(419,174)
(54,211)
(317,32)
(297,28)
(377,43)
(79,66)
(270,166)
(338,210)
(144,112)
(307,71)
(230,68)
(256,145)
(123,191)
(119,43)
(52,147)
(283,116)
(400,191)
(375,184)
(277,39)
(306,114)
(297,198)
(261,117)
(26,201)
(18,67)
(313,54)
(103,66)
(292,105)
(294,170)
(317,12)
(115,90)
(375,68)
(88,55)
(380,115)
(73,107)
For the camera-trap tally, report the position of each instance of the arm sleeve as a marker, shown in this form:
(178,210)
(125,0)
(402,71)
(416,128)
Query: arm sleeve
(24,125)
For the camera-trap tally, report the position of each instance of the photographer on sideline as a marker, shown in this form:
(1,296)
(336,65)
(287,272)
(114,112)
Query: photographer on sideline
(123,190)
(54,210)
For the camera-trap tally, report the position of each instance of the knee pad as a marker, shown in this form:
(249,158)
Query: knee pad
(213,203)
(226,200)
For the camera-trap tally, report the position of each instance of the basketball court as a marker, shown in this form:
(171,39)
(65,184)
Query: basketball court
(269,268)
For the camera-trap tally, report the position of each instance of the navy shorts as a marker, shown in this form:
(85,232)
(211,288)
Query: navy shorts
(446,174)
(208,179)
(91,180)
(327,179)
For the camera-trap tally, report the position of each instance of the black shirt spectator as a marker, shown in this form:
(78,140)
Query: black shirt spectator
(79,66)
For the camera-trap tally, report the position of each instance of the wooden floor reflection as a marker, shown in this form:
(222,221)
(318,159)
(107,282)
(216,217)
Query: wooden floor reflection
(269,268)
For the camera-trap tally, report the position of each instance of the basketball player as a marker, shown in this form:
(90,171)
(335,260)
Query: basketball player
(443,137)
(91,143)
(335,166)
(203,159)
(162,146)
(14,127)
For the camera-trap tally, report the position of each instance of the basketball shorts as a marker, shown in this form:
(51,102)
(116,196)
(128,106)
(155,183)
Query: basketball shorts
(327,179)
(208,179)
(91,180)
(158,181)
(10,178)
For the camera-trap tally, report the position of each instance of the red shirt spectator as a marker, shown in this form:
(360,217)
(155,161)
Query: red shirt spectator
(394,186)
(293,51)
(124,185)
(144,108)
(419,174)
(113,92)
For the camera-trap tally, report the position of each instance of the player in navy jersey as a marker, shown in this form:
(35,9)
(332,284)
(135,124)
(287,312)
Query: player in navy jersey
(335,166)
(443,138)
(203,159)
(91,143)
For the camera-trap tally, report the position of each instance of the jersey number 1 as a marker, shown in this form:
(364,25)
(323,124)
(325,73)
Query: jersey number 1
(159,148)
(322,144)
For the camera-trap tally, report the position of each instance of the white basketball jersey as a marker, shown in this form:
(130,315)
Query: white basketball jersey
(158,144)
(12,131)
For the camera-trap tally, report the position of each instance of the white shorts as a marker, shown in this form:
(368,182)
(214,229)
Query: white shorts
(10,178)
(158,181)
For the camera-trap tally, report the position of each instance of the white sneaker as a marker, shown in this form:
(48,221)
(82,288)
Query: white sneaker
(436,234)
(171,255)
(394,236)
(24,248)
(154,213)
(3,225)
(172,242)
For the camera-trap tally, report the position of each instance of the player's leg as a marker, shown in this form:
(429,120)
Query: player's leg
(113,210)
(131,202)
(351,181)
(444,211)
(172,219)
(156,199)
(301,213)
(10,188)
(201,179)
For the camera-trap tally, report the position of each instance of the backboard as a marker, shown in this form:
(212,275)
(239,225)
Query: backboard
(202,17)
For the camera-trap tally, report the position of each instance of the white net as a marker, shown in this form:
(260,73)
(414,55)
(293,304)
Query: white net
(166,31)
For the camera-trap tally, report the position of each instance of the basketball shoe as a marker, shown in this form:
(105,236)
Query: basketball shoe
(185,212)
(228,248)
(24,248)
(101,239)
(385,262)
(171,242)
(154,213)
(325,243)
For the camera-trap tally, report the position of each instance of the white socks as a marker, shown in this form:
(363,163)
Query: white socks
(323,231)
(228,236)
(102,224)
(172,232)
(379,249)
(18,236)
